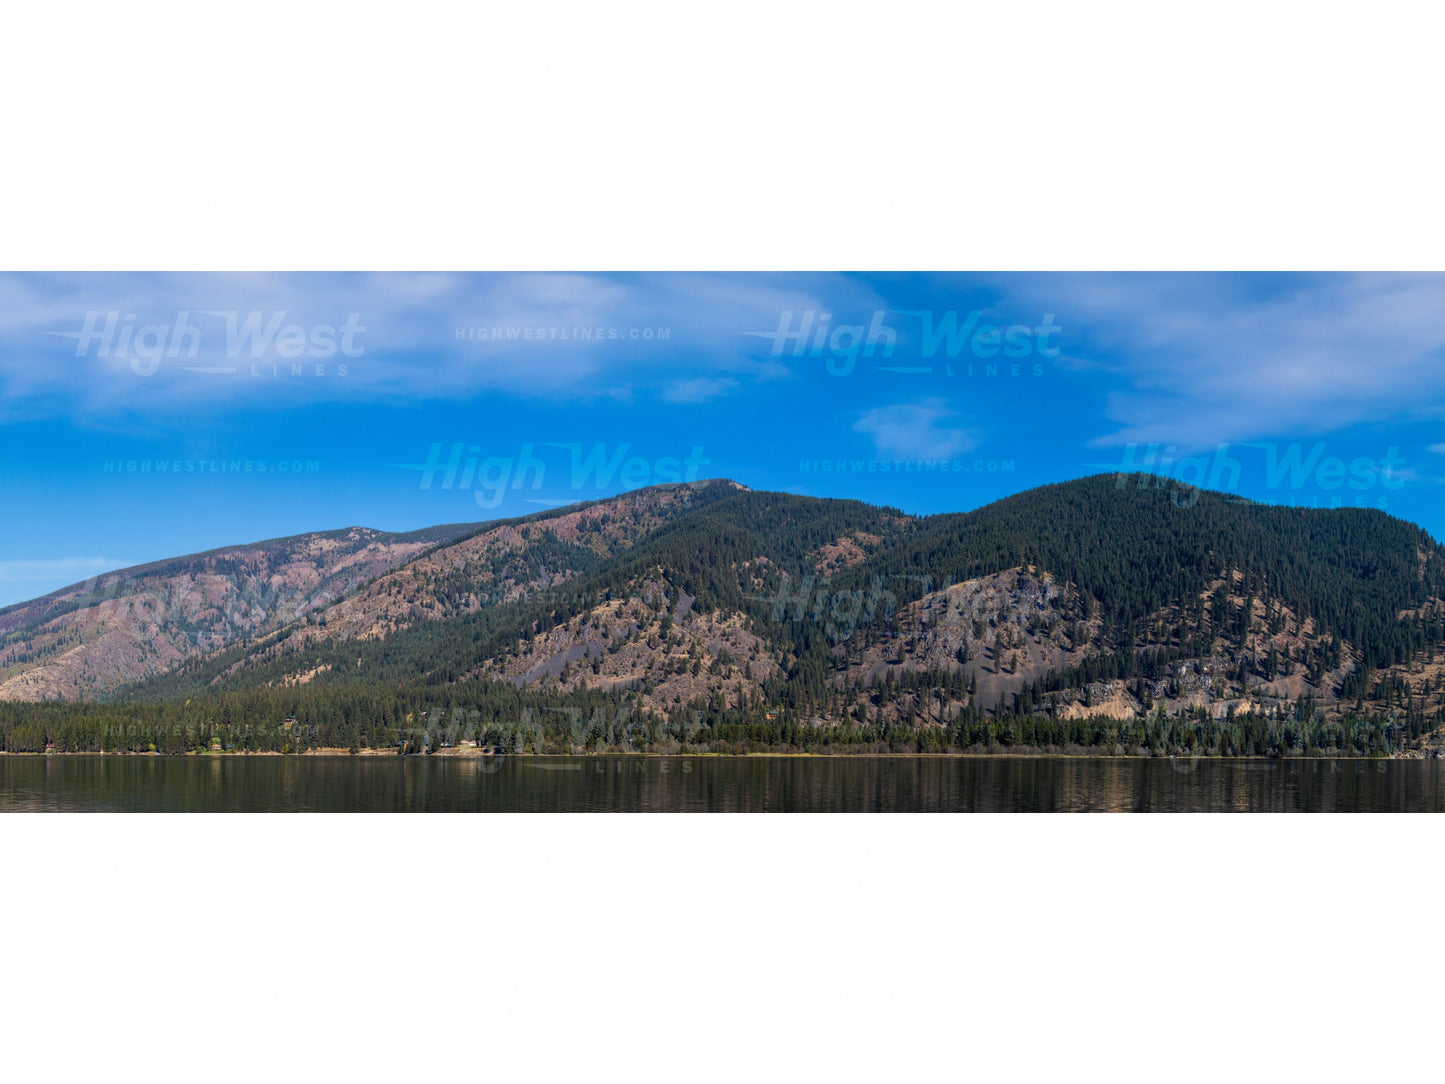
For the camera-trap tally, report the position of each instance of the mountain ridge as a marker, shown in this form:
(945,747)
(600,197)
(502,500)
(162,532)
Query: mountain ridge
(1092,599)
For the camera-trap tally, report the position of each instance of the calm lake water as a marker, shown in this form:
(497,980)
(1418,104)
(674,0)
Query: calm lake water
(713,784)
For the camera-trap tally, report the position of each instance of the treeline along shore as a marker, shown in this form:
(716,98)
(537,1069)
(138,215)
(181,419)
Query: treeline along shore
(503,720)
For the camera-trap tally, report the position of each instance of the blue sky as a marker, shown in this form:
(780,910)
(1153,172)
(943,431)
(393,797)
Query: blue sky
(149,415)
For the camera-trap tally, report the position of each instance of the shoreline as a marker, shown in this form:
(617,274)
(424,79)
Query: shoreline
(475,755)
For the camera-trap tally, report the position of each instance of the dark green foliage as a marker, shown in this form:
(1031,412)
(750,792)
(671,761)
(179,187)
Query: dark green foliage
(1129,551)
(1132,551)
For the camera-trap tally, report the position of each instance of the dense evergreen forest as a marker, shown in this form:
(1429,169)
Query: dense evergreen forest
(1130,547)
(500,720)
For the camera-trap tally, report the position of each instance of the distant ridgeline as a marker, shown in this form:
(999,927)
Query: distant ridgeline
(1084,616)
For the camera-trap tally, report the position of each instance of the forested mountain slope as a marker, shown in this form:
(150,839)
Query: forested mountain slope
(713,544)
(1112,613)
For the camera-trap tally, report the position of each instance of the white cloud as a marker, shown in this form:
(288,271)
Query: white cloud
(1189,359)
(913,431)
(1210,358)
(427,336)
(699,389)
(1438,449)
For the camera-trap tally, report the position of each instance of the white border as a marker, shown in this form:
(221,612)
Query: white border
(764,135)
(1188,948)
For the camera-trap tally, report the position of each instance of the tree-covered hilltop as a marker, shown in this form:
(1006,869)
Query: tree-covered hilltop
(1111,613)
(1134,546)
(1159,573)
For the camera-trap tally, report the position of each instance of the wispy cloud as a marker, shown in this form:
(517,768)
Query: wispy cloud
(22,580)
(77,568)
(699,389)
(425,337)
(1204,358)
(915,431)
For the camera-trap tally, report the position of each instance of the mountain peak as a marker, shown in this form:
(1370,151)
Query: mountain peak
(1070,600)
